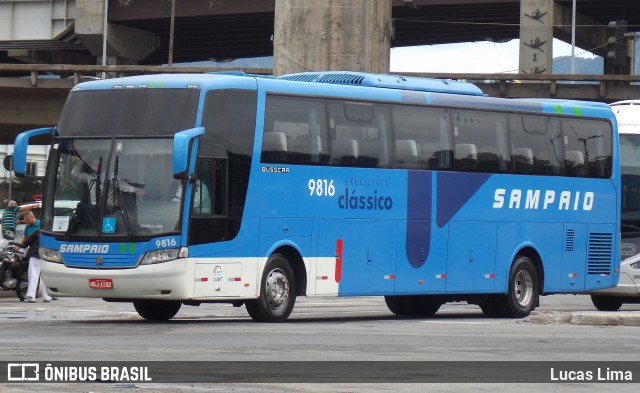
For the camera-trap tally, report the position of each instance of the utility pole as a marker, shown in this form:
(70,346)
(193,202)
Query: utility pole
(171,29)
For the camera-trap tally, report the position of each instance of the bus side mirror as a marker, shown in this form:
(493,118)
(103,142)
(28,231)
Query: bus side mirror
(181,150)
(20,148)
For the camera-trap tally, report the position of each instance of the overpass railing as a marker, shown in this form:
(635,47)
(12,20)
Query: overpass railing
(589,87)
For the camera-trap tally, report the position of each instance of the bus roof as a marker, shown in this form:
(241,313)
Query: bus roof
(387,81)
(349,84)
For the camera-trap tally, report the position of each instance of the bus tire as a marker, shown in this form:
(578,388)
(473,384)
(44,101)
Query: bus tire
(606,303)
(277,292)
(524,289)
(157,310)
(416,306)
(396,305)
(493,306)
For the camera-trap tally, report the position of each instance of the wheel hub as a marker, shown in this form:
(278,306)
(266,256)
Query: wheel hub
(524,287)
(277,288)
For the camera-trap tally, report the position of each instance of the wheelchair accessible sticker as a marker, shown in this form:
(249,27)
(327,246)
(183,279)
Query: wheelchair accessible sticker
(108,225)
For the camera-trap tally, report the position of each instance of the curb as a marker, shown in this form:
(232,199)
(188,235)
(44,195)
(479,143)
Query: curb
(606,318)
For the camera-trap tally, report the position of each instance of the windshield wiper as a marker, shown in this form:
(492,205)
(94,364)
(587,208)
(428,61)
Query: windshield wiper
(117,194)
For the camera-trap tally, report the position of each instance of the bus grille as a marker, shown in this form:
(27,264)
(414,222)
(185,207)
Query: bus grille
(600,253)
(569,239)
(106,262)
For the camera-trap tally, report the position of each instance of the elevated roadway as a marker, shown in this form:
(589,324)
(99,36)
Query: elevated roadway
(34,101)
(138,32)
(215,29)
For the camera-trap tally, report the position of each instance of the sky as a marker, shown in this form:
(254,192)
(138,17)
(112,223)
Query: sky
(468,57)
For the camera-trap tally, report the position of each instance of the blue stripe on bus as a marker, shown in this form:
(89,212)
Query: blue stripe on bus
(418,217)
(454,191)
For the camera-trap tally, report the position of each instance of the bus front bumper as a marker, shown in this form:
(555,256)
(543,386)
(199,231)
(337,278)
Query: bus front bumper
(166,281)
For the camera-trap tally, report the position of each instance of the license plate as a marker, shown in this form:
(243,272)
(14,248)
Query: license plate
(100,283)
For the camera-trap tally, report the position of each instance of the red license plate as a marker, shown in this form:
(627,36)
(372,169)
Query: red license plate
(100,283)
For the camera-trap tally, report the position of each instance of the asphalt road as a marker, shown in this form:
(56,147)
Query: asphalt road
(325,330)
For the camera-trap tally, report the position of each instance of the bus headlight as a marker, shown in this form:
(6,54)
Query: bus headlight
(50,255)
(159,256)
(635,265)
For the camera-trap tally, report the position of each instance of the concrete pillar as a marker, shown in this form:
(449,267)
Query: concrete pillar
(127,44)
(536,36)
(353,35)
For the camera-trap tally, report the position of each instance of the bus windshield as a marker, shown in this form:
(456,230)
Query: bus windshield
(123,187)
(630,171)
(139,111)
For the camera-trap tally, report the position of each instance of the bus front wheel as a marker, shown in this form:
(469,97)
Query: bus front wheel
(277,292)
(157,310)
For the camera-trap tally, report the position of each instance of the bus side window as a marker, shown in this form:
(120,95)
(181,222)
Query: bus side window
(406,154)
(466,156)
(593,140)
(522,158)
(537,145)
(274,147)
(574,163)
(344,152)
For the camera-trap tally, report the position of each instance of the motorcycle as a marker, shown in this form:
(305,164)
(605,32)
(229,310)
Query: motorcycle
(14,268)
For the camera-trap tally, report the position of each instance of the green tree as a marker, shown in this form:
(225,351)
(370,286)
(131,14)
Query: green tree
(23,189)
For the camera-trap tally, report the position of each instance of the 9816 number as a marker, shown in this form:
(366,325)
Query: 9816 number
(164,243)
(321,187)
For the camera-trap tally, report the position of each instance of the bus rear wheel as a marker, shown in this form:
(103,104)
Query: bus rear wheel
(277,292)
(417,305)
(522,295)
(157,310)
(606,303)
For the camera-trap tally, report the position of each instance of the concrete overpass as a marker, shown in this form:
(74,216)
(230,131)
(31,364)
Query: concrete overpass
(70,31)
(33,101)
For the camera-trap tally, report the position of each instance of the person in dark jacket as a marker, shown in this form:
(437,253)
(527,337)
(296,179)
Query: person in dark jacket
(35,264)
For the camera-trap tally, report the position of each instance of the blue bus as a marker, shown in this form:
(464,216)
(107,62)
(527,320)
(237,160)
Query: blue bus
(242,189)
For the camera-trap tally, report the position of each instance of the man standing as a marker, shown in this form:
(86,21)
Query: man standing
(10,218)
(32,240)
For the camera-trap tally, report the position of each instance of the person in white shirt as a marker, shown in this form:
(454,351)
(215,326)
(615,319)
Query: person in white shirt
(91,178)
(201,199)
